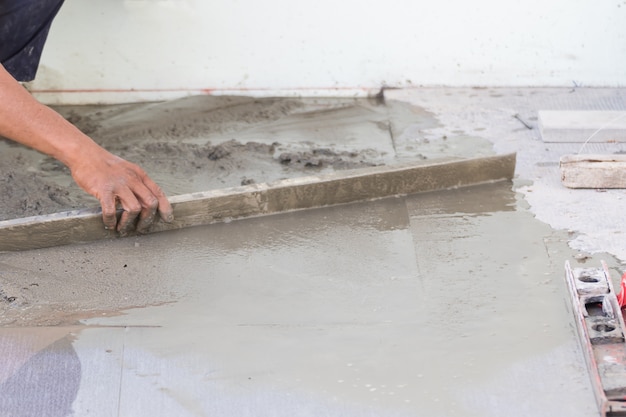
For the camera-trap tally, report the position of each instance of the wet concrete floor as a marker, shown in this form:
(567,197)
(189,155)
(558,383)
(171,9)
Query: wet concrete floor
(205,142)
(448,303)
(441,304)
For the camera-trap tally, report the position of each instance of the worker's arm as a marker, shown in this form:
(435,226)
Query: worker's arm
(110,179)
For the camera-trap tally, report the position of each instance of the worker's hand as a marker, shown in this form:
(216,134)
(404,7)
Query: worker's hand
(107,177)
(117,182)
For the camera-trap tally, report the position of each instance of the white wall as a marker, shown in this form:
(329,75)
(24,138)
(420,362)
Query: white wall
(111,50)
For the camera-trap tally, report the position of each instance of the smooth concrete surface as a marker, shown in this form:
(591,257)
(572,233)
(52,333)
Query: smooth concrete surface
(440,304)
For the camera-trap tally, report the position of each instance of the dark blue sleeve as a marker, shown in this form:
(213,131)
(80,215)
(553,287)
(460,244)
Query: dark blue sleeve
(24,26)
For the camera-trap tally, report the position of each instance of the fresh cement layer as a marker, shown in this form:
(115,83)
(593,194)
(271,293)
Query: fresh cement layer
(442,304)
(203,143)
(508,117)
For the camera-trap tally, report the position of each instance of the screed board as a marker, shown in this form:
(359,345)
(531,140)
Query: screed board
(267,198)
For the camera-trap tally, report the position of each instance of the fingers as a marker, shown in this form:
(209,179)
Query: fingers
(109,213)
(152,198)
(117,183)
(140,201)
(166,212)
(147,216)
(131,209)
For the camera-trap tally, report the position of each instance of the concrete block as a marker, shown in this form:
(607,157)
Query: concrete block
(582,126)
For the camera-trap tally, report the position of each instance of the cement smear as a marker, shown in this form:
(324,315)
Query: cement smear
(205,142)
(438,304)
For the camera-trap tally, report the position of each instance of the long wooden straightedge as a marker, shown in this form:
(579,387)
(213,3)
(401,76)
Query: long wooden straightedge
(268,198)
(602,335)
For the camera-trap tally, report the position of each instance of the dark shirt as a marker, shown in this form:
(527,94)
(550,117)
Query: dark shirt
(24,26)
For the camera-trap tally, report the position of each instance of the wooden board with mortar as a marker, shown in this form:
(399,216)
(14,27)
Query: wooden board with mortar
(208,207)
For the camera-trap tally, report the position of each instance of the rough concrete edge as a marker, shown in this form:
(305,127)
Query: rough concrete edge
(267,198)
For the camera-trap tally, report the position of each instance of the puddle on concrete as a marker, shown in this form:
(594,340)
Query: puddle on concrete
(442,304)
(205,142)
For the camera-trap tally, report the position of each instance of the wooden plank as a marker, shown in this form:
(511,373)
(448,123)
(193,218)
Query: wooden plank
(581,126)
(261,199)
(593,171)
